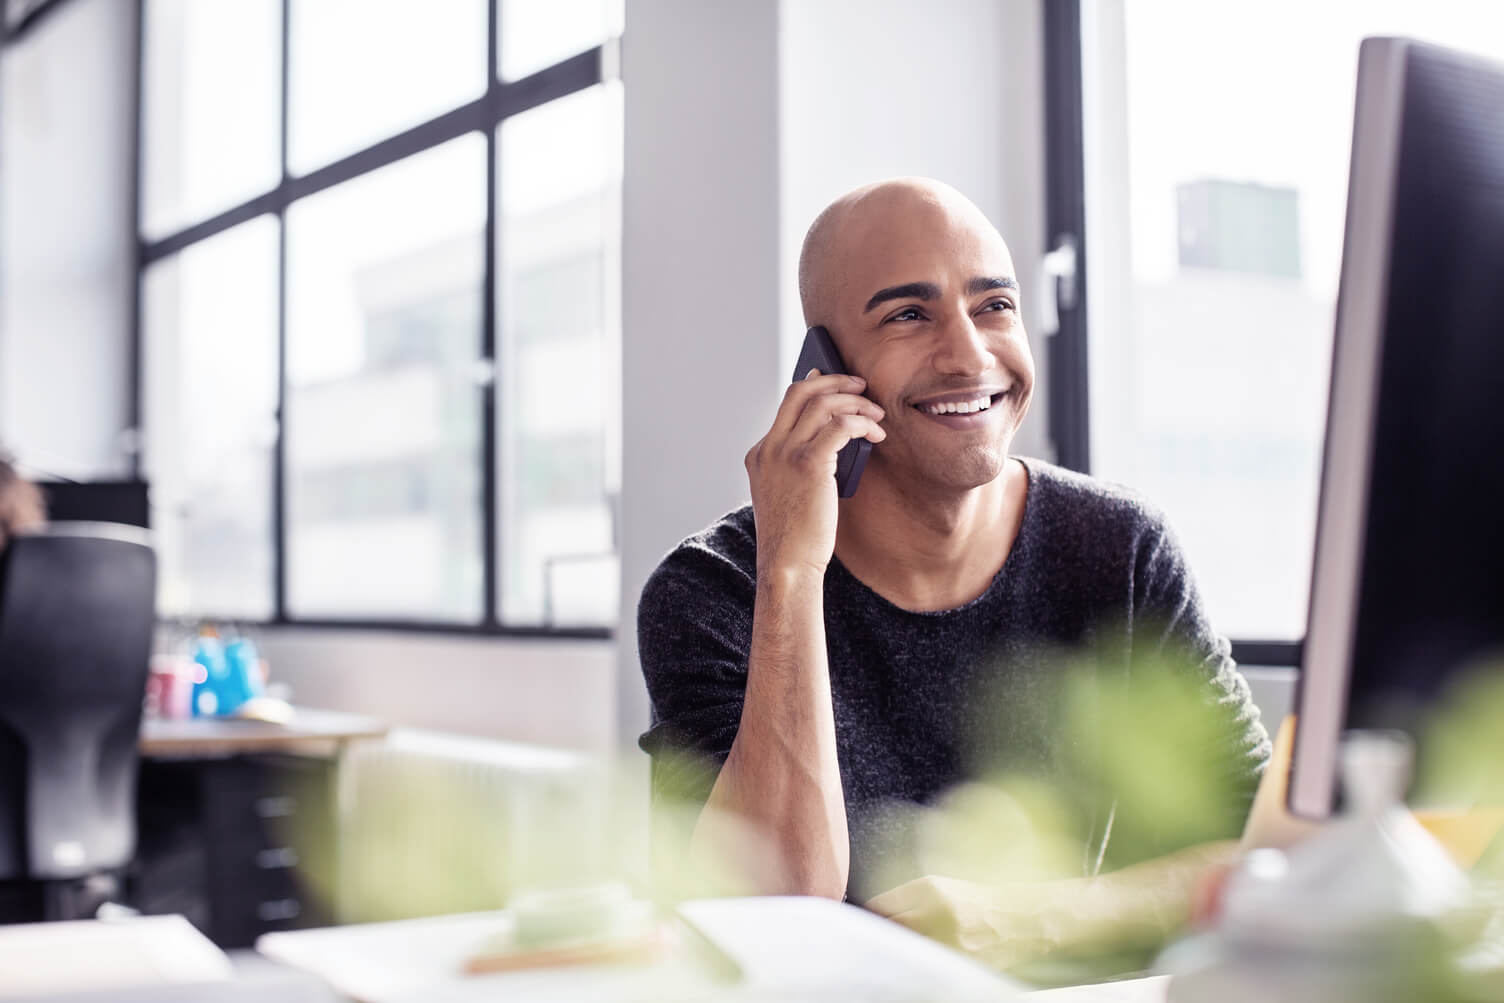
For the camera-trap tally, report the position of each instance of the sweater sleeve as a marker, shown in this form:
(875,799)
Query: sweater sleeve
(694,630)
(1171,625)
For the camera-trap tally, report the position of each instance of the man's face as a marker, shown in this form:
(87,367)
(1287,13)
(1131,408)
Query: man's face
(927,311)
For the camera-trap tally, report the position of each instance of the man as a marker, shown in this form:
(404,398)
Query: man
(823,655)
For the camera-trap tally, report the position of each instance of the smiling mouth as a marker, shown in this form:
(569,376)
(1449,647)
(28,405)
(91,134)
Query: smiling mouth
(965,406)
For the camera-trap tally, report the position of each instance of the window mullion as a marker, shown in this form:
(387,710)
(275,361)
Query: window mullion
(279,450)
(1065,217)
(137,360)
(490,496)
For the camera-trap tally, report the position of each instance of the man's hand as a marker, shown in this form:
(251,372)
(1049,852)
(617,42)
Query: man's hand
(792,470)
(1009,925)
(999,926)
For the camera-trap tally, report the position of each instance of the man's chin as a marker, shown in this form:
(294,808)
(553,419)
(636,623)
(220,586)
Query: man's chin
(966,470)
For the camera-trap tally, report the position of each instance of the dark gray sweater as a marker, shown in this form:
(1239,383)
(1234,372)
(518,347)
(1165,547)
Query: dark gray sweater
(924,700)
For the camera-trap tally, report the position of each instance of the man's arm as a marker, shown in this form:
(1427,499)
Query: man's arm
(782,775)
(1167,597)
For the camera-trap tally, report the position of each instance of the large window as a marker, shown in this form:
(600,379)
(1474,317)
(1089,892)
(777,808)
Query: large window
(380,310)
(1199,155)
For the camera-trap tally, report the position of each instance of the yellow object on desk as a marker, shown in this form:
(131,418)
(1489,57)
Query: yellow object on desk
(1464,834)
(642,947)
(593,924)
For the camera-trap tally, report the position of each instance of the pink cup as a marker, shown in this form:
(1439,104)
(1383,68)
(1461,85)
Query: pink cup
(169,686)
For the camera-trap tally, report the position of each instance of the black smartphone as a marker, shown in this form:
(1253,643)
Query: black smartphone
(819,352)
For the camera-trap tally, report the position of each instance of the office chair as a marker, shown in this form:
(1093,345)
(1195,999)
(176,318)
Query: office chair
(76,621)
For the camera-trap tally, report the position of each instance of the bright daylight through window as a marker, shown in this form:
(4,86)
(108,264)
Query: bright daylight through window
(1216,179)
(357,296)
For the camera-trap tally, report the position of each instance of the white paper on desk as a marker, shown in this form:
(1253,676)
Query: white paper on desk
(788,948)
(379,962)
(38,958)
(798,948)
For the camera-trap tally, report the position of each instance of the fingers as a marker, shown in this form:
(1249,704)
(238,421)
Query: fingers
(799,394)
(819,451)
(841,429)
(815,420)
(829,410)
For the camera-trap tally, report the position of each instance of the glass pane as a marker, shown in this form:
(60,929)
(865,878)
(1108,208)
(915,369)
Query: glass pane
(559,311)
(538,33)
(1216,197)
(363,70)
(383,475)
(210,389)
(211,101)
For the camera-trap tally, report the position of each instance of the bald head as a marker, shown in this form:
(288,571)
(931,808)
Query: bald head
(841,242)
(918,292)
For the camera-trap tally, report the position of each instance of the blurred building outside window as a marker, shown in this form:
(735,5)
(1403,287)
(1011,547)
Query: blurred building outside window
(1216,155)
(209,386)
(385,282)
(559,308)
(384,390)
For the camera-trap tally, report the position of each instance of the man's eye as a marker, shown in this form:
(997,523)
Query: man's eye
(999,305)
(907,313)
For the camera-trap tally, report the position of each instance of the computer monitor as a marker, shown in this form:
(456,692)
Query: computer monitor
(1408,580)
(98,501)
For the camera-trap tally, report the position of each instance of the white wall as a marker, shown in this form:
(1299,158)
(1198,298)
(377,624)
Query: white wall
(559,693)
(66,268)
(701,305)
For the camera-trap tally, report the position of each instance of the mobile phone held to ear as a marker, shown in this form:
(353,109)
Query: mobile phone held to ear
(819,352)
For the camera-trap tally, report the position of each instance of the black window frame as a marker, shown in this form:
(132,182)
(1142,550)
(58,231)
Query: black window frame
(22,16)
(1065,218)
(503,99)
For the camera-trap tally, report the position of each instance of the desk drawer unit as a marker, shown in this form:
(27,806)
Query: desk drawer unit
(244,843)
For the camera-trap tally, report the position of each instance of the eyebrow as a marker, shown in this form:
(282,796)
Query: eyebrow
(929,291)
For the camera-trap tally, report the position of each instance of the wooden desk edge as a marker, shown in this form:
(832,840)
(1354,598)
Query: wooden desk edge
(261,737)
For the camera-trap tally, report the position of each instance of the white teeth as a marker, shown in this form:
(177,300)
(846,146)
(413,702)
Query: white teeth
(963,407)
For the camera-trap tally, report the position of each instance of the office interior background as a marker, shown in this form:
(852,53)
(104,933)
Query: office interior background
(433,327)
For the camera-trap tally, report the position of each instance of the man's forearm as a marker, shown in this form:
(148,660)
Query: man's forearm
(782,775)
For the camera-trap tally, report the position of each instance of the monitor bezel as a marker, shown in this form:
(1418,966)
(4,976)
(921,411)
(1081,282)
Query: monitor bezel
(1357,352)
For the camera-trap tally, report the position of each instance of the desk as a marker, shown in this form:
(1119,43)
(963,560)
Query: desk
(310,732)
(234,817)
(142,959)
(787,948)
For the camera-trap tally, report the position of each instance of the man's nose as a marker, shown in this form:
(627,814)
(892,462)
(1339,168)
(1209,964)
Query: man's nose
(963,349)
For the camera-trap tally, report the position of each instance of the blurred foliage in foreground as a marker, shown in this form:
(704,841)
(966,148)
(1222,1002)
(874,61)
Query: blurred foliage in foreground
(1134,742)
(1141,741)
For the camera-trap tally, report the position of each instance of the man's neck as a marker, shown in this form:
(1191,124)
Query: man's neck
(933,551)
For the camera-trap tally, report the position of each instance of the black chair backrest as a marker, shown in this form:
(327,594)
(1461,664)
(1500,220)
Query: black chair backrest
(76,618)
